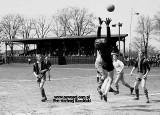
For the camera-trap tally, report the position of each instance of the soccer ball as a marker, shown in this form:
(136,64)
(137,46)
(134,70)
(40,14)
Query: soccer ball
(110,8)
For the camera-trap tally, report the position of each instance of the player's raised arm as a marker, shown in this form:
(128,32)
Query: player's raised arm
(99,28)
(108,21)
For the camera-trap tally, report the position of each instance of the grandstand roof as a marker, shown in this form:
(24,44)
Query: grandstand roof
(34,40)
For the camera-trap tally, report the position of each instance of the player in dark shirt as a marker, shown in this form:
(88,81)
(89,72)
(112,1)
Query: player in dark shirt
(143,69)
(48,63)
(104,61)
(39,71)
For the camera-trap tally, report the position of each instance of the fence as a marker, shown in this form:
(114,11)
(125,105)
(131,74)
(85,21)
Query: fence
(60,60)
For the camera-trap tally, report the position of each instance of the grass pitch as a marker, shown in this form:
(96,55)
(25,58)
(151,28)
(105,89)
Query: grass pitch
(19,92)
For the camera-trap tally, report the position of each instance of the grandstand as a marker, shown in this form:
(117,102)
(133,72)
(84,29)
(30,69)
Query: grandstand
(71,49)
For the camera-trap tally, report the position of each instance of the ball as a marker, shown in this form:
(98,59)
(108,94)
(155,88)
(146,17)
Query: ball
(110,8)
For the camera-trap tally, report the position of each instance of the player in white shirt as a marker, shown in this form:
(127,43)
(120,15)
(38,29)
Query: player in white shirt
(118,66)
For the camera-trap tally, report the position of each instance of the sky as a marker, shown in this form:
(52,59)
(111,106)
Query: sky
(122,12)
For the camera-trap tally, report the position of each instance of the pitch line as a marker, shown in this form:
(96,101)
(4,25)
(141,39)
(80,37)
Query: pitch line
(153,94)
(77,68)
(78,77)
(95,70)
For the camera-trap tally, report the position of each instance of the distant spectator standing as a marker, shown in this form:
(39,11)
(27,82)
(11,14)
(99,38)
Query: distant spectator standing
(48,63)
(29,61)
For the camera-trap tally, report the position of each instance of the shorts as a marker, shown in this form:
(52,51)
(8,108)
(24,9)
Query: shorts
(42,78)
(98,66)
(108,66)
(139,77)
(100,71)
(120,75)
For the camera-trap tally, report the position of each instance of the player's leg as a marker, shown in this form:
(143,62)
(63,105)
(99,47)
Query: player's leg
(126,84)
(41,86)
(145,89)
(103,88)
(103,77)
(112,90)
(100,82)
(49,75)
(98,66)
(116,83)
(105,80)
(108,83)
(138,80)
(98,76)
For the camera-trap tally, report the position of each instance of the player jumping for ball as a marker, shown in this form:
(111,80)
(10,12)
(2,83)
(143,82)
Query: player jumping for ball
(100,72)
(39,70)
(118,66)
(104,49)
(143,70)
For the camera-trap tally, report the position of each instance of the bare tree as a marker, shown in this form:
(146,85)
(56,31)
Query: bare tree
(26,31)
(58,29)
(42,26)
(157,25)
(145,28)
(26,28)
(75,21)
(10,25)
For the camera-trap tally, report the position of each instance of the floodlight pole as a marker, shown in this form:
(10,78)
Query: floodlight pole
(132,13)
(119,25)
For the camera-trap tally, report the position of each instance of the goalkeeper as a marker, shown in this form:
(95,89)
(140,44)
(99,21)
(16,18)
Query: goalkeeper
(103,62)
(39,71)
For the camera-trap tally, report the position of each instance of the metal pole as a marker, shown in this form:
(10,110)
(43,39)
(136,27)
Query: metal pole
(6,53)
(130,37)
(136,13)
(119,39)
(119,25)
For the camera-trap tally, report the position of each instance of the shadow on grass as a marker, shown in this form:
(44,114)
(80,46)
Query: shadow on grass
(156,101)
(142,108)
(129,106)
